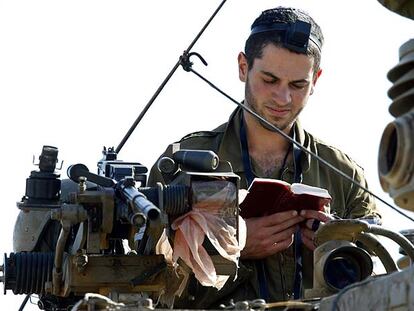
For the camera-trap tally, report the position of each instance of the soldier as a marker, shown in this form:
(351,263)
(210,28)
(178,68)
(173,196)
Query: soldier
(280,67)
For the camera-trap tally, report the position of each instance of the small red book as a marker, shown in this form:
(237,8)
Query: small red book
(269,196)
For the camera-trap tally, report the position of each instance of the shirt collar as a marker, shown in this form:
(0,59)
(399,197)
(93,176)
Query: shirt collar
(230,147)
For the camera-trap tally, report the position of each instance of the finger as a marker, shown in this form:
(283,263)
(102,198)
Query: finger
(278,218)
(282,245)
(257,234)
(282,235)
(276,238)
(273,219)
(287,224)
(308,243)
(256,229)
(316,215)
(266,248)
(307,233)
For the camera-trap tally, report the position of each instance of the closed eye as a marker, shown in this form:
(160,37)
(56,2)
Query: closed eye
(299,85)
(271,81)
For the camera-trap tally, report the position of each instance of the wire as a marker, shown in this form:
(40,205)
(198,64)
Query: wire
(314,155)
(161,87)
(398,238)
(34,296)
(24,302)
(184,61)
(374,245)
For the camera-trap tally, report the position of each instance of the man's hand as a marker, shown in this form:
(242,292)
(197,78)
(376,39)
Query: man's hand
(313,219)
(271,234)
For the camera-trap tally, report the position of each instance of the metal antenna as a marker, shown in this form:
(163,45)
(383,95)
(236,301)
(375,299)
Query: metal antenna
(170,74)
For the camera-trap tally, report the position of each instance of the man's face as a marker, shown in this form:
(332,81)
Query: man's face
(278,85)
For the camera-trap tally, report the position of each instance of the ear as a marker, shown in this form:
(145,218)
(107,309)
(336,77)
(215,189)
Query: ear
(243,67)
(315,78)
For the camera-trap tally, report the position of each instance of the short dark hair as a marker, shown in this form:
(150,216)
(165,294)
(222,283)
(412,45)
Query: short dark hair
(282,15)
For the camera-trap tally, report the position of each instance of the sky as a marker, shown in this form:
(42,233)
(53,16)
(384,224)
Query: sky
(76,74)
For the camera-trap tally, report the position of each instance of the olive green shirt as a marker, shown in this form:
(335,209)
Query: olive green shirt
(348,201)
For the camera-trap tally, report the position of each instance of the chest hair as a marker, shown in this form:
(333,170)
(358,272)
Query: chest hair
(268,164)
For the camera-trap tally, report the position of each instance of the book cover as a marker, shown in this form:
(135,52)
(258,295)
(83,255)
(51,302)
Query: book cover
(269,196)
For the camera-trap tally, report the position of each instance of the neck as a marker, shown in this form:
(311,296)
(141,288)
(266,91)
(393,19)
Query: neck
(263,141)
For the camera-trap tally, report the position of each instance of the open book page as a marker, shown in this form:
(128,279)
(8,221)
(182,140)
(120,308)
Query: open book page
(268,180)
(306,189)
(269,196)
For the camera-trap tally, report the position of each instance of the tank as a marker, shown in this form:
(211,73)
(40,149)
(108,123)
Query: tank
(80,127)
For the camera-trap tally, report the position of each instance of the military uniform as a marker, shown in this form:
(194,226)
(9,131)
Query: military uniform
(349,201)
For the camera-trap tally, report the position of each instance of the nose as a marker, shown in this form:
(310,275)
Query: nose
(281,95)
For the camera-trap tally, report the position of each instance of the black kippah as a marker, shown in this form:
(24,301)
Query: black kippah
(291,25)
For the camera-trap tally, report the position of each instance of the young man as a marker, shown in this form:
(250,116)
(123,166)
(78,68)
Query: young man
(280,67)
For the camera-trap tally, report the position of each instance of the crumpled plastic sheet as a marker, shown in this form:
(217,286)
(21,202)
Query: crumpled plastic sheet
(205,220)
(189,236)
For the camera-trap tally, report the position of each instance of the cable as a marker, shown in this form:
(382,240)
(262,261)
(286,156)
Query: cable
(170,74)
(374,245)
(187,65)
(24,302)
(398,238)
(275,129)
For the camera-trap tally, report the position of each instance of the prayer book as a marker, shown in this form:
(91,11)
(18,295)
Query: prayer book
(268,196)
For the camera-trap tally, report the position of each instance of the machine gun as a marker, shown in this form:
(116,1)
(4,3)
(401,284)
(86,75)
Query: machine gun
(108,227)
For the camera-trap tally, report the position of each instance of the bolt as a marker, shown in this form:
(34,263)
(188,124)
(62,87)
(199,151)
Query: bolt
(82,184)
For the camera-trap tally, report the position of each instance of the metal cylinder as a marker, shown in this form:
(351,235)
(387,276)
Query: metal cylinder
(175,198)
(138,200)
(48,159)
(27,273)
(197,160)
(346,265)
(395,162)
(402,77)
(167,165)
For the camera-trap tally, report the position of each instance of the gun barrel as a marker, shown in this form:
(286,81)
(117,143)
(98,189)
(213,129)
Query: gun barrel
(139,202)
